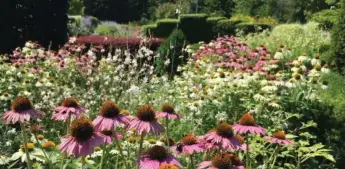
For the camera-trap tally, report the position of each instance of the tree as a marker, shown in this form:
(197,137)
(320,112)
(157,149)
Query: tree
(338,41)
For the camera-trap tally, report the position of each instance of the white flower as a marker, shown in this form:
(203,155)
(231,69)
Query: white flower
(278,55)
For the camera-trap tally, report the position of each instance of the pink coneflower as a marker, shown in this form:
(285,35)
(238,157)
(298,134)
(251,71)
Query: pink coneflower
(82,138)
(109,117)
(222,161)
(247,125)
(222,137)
(189,145)
(279,138)
(111,135)
(241,140)
(156,157)
(70,107)
(145,121)
(168,112)
(21,111)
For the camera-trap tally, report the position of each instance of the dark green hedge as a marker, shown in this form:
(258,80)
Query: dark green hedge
(226,27)
(165,27)
(194,26)
(212,26)
(148,30)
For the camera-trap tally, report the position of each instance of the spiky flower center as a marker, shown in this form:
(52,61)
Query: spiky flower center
(189,140)
(82,129)
(239,138)
(234,159)
(158,153)
(40,137)
(280,135)
(221,161)
(48,145)
(146,113)
(21,103)
(168,166)
(225,130)
(30,147)
(107,132)
(70,102)
(125,112)
(169,108)
(109,109)
(247,120)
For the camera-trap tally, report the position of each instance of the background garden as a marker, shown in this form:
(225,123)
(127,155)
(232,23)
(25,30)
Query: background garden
(210,61)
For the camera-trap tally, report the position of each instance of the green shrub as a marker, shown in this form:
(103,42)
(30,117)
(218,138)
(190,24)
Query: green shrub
(107,28)
(338,41)
(252,27)
(165,27)
(148,30)
(327,18)
(171,49)
(194,26)
(226,27)
(212,25)
(81,25)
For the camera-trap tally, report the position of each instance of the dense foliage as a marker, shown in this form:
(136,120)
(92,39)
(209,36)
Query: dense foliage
(25,20)
(338,41)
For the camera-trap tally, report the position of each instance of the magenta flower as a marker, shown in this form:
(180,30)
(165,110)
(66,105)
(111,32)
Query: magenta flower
(168,112)
(189,145)
(69,108)
(279,138)
(222,138)
(109,117)
(247,125)
(21,111)
(82,138)
(145,121)
(156,157)
(241,140)
(222,161)
(110,135)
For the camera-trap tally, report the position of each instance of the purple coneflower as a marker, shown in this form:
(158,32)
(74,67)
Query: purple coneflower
(241,140)
(279,138)
(222,161)
(70,107)
(157,157)
(21,111)
(109,117)
(247,125)
(167,113)
(82,138)
(222,137)
(189,145)
(145,121)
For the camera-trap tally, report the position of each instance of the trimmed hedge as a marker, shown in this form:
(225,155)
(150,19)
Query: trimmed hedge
(193,26)
(165,27)
(148,30)
(226,27)
(212,26)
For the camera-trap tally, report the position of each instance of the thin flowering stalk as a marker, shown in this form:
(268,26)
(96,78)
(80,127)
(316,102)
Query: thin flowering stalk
(102,158)
(247,148)
(83,161)
(28,160)
(44,152)
(141,145)
(68,123)
(275,157)
(191,161)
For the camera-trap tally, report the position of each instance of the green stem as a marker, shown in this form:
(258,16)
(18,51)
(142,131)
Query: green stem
(102,158)
(63,155)
(247,152)
(120,149)
(275,157)
(167,133)
(28,161)
(191,161)
(83,161)
(140,147)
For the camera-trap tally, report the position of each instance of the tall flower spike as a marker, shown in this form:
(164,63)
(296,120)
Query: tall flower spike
(70,107)
(21,110)
(248,125)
